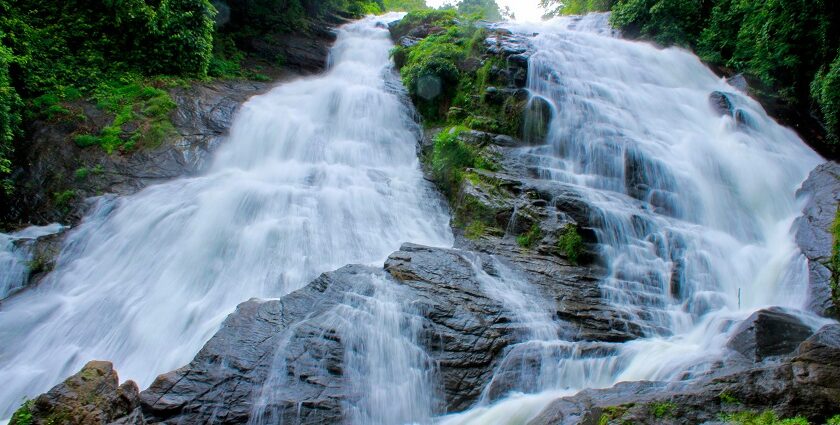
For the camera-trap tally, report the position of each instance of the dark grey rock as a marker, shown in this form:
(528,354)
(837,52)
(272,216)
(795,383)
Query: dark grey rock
(813,233)
(721,103)
(769,332)
(808,384)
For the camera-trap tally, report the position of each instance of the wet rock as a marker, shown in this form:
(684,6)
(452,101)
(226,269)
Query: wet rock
(767,333)
(537,120)
(721,103)
(739,82)
(284,360)
(203,116)
(92,396)
(813,233)
(808,384)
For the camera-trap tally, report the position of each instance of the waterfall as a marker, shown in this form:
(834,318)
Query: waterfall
(692,210)
(16,256)
(318,173)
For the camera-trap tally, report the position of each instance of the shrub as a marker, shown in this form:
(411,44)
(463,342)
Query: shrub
(768,417)
(570,243)
(531,237)
(662,409)
(825,90)
(22,416)
(10,117)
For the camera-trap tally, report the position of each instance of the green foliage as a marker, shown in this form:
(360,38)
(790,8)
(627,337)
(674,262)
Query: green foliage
(575,7)
(23,416)
(662,409)
(612,413)
(475,230)
(11,108)
(481,9)
(449,159)
(825,89)
(570,243)
(726,397)
(665,21)
(449,75)
(79,43)
(768,417)
(531,237)
(834,420)
(405,5)
(82,173)
(141,115)
(63,199)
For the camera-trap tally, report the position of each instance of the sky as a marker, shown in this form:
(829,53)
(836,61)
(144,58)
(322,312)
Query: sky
(527,10)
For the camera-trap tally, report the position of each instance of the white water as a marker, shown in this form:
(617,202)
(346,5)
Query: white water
(713,217)
(317,173)
(15,256)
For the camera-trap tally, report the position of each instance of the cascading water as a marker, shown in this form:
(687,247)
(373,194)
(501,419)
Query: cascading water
(15,256)
(692,210)
(318,173)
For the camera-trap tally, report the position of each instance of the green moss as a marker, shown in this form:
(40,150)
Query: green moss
(82,173)
(726,397)
(662,409)
(22,416)
(141,115)
(531,237)
(570,243)
(825,89)
(62,199)
(768,417)
(613,413)
(475,230)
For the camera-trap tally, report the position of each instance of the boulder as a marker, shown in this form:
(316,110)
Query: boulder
(91,397)
(805,384)
(767,333)
(821,193)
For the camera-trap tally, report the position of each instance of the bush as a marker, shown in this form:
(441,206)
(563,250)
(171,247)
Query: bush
(768,417)
(570,244)
(665,21)
(10,118)
(531,237)
(825,90)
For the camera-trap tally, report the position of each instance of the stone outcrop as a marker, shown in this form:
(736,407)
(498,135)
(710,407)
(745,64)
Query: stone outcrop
(464,330)
(91,397)
(767,333)
(805,384)
(821,191)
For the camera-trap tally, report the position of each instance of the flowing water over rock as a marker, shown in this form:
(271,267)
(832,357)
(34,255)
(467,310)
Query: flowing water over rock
(692,207)
(318,173)
(16,256)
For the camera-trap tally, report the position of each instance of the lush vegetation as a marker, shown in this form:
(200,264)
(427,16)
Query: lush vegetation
(124,55)
(405,5)
(23,416)
(575,7)
(768,417)
(570,244)
(451,78)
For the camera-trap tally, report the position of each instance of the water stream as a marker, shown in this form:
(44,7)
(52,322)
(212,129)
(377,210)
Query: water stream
(692,210)
(317,173)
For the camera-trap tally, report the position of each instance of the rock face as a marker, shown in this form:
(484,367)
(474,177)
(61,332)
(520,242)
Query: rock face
(464,330)
(91,397)
(805,384)
(767,333)
(204,114)
(813,233)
